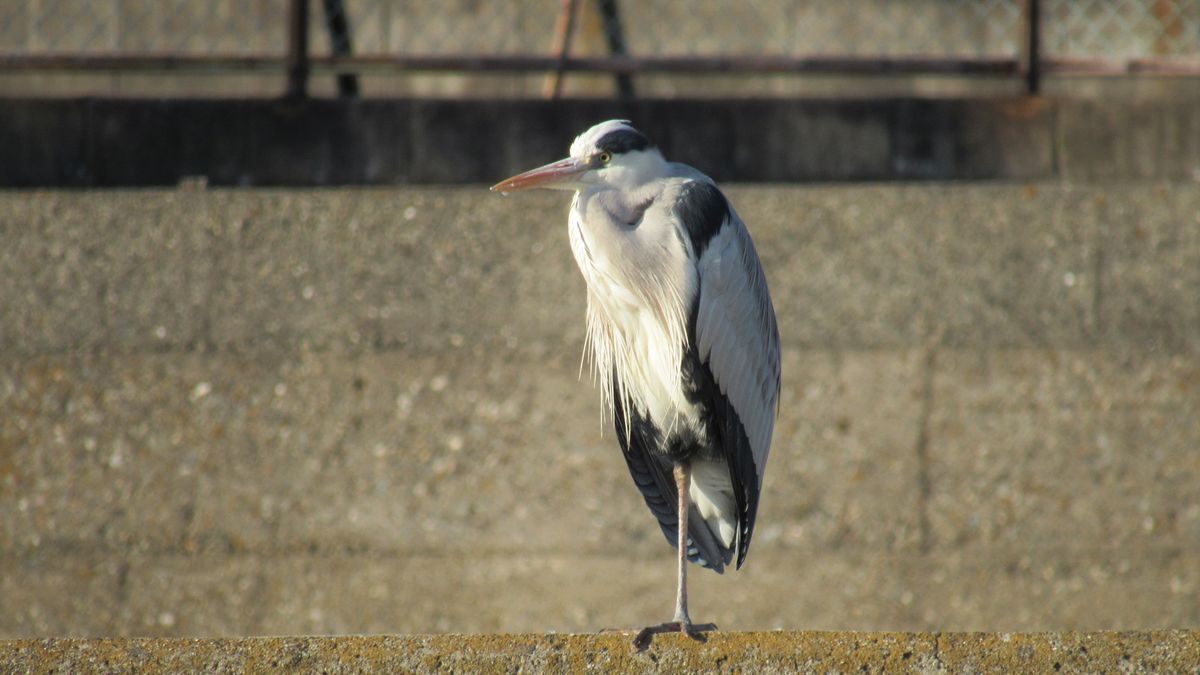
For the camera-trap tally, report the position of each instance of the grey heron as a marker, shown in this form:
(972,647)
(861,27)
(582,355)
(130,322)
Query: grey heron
(682,335)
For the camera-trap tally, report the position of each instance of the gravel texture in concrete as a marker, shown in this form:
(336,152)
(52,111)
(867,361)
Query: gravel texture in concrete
(775,652)
(240,412)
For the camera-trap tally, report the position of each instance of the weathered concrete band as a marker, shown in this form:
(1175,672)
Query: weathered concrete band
(99,142)
(777,652)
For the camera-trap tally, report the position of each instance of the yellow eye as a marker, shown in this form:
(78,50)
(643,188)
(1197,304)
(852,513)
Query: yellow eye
(605,158)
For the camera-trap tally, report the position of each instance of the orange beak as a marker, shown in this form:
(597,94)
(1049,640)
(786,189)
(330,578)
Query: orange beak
(547,176)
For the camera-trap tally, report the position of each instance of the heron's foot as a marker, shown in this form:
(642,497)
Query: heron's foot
(693,630)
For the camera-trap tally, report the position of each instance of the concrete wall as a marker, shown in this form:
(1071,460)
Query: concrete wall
(239,412)
(82,143)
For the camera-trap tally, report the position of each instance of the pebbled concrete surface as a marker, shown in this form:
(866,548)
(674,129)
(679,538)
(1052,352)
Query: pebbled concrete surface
(777,652)
(855,267)
(237,412)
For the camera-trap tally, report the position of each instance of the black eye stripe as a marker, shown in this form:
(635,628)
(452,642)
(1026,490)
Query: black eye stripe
(622,140)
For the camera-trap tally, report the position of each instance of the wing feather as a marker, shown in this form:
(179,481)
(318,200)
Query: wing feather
(737,333)
(736,338)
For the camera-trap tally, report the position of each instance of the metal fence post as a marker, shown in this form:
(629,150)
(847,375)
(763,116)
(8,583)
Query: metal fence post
(297,56)
(1033,38)
(564,31)
(341,44)
(616,43)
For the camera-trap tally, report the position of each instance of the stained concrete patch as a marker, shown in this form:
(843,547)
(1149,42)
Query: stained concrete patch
(1144,139)
(1151,268)
(87,600)
(1017,435)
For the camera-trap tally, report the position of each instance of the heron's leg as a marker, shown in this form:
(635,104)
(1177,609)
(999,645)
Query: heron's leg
(682,622)
(683,480)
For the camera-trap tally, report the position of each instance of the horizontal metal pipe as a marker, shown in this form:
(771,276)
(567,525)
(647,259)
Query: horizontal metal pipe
(1066,65)
(699,65)
(681,64)
(514,63)
(142,62)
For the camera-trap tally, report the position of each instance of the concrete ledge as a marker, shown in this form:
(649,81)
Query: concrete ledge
(831,652)
(99,142)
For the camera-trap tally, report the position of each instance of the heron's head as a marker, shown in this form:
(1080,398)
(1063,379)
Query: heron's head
(610,154)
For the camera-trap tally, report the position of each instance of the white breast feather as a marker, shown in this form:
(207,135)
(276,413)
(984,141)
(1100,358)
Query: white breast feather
(636,325)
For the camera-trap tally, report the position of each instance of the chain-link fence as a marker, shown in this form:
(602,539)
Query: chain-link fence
(692,28)
(133,27)
(525,40)
(1122,29)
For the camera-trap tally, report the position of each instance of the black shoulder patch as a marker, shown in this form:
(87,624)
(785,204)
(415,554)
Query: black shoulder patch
(622,140)
(702,209)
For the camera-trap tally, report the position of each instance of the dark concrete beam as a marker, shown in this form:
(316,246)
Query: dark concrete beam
(116,142)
